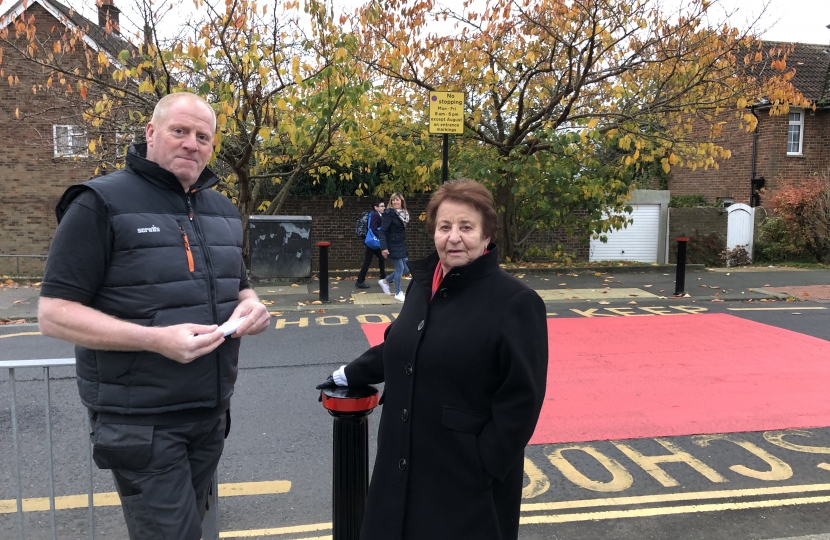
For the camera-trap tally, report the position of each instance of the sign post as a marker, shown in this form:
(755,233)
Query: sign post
(446,116)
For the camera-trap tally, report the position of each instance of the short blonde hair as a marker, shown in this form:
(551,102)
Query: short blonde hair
(397,195)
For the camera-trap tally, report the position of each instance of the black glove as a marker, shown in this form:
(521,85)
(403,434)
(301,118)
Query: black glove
(328,383)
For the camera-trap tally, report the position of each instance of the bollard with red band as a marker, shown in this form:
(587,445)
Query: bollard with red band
(680,279)
(350,408)
(324,270)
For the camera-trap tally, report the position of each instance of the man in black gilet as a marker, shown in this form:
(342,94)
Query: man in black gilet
(145,264)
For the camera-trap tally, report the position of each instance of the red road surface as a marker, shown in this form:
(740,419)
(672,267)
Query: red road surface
(635,377)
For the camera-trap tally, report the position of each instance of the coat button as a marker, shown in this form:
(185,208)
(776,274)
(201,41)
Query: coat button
(455,276)
(402,464)
(443,293)
(420,326)
(408,369)
(404,415)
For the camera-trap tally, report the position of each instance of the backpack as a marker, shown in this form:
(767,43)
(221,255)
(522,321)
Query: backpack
(361,226)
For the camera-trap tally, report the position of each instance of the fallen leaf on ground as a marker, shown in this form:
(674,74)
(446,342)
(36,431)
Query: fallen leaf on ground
(603,302)
(662,290)
(633,303)
(562,284)
(687,295)
(802,294)
(767,285)
(342,300)
(716,300)
(646,286)
(321,311)
(275,313)
(317,302)
(315,292)
(796,313)
(267,302)
(294,285)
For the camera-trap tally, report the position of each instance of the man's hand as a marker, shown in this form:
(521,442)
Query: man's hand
(185,343)
(257,314)
(385,253)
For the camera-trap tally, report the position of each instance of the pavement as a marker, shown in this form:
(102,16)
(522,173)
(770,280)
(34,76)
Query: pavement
(611,285)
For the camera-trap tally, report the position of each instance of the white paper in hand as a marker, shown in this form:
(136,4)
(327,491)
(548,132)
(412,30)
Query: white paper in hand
(230,327)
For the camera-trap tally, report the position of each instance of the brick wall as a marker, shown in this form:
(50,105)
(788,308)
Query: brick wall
(732,179)
(706,228)
(336,225)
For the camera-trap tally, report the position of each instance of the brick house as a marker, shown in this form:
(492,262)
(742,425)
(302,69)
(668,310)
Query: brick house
(44,147)
(791,147)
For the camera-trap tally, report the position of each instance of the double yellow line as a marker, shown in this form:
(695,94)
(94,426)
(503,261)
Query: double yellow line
(612,502)
(673,497)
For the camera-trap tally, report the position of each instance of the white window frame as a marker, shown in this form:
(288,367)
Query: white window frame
(77,145)
(800,124)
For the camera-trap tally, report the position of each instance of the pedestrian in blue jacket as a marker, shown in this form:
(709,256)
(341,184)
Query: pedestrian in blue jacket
(374,220)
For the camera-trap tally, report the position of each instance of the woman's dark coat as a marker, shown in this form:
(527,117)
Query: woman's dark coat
(465,380)
(392,234)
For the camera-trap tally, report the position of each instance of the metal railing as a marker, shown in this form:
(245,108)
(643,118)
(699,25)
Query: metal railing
(17,258)
(210,525)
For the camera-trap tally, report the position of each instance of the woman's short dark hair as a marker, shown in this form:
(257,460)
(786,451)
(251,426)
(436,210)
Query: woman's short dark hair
(469,192)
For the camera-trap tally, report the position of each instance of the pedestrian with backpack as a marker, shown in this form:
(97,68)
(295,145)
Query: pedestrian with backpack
(370,221)
(392,237)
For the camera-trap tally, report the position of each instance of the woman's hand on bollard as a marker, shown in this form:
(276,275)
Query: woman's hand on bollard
(328,383)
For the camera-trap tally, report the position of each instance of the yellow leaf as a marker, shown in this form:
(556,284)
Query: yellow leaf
(666,167)
(17,113)
(265,133)
(281,105)
(92,146)
(593,123)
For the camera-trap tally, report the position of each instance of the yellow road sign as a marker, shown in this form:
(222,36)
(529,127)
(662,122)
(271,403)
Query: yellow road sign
(446,112)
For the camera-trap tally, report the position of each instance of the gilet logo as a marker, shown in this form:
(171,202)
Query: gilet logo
(149,229)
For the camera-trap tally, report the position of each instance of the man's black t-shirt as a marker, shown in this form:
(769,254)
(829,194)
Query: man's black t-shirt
(80,252)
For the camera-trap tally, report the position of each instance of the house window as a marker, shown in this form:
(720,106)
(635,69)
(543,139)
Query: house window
(795,133)
(70,141)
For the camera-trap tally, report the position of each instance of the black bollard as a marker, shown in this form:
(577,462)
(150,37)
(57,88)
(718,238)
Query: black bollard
(680,280)
(324,270)
(350,408)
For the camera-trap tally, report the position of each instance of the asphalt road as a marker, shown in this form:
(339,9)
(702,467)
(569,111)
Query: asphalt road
(754,485)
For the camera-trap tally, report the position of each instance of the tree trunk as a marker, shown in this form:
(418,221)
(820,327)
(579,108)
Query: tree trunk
(508,234)
(244,203)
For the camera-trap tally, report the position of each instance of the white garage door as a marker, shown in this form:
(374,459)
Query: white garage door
(637,242)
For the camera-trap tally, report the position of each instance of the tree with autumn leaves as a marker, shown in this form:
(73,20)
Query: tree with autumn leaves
(566,102)
(282,83)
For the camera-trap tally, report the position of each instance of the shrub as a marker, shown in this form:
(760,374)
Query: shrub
(737,256)
(805,210)
(776,245)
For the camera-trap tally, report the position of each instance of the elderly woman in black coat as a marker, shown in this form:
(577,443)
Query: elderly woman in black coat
(464,367)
